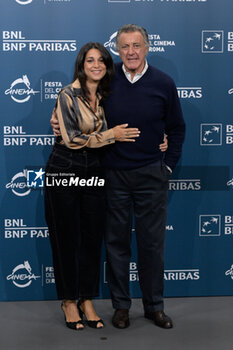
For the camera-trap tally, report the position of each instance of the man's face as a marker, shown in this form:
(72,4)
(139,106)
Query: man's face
(132,50)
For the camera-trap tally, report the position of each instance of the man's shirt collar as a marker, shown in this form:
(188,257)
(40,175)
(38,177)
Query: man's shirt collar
(137,75)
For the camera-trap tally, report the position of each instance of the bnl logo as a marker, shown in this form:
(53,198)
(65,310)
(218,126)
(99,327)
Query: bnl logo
(211,134)
(212,41)
(209,225)
(35,179)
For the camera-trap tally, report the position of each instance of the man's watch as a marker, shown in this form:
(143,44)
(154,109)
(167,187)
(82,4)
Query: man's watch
(168,168)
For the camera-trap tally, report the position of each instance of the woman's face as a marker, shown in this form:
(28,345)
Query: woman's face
(94,66)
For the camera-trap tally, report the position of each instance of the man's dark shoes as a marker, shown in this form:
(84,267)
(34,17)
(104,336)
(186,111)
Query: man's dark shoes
(160,319)
(120,318)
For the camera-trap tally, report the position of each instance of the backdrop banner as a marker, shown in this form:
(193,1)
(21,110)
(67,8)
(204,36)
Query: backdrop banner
(192,41)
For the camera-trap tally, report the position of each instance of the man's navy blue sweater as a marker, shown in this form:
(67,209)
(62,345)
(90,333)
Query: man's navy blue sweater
(152,105)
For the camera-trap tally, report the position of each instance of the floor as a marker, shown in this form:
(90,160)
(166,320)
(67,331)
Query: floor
(199,323)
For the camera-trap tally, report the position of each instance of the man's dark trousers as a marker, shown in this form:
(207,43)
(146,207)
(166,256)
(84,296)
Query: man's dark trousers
(142,191)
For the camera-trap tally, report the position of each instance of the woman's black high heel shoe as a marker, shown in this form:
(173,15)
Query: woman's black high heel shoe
(90,323)
(73,325)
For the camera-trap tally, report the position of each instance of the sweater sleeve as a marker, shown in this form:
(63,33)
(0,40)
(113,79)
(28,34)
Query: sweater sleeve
(174,127)
(70,121)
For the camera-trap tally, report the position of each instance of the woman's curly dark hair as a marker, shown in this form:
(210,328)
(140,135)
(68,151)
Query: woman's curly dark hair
(104,85)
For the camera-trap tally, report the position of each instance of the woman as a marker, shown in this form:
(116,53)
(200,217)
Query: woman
(74,205)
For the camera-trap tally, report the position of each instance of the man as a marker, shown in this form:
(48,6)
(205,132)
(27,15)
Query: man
(137,176)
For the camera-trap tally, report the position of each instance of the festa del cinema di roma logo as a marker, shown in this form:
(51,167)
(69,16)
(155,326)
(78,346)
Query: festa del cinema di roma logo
(156,43)
(18,184)
(230,272)
(26,2)
(111,43)
(20,90)
(22,275)
(23,2)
